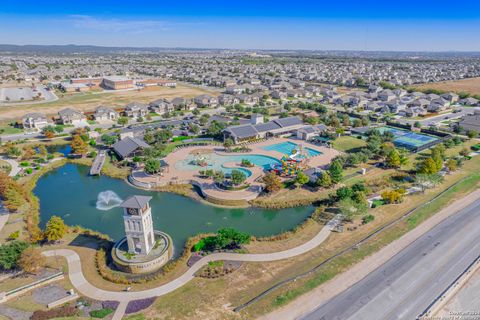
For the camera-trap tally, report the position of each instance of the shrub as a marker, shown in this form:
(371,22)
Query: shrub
(100,314)
(10,253)
(14,235)
(367,219)
(65,311)
(139,305)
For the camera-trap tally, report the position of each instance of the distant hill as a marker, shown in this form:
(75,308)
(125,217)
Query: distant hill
(90,49)
(73,48)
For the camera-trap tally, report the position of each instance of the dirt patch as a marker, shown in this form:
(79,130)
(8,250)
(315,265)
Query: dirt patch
(471,86)
(88,101)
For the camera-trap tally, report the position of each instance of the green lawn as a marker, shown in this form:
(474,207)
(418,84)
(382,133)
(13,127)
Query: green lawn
(7,129)
(348,143)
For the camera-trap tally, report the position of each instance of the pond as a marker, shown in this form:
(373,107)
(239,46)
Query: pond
(64,149)
(70,193)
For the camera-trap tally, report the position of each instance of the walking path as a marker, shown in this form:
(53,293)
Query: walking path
(83,286)
(13,163)
(15,169)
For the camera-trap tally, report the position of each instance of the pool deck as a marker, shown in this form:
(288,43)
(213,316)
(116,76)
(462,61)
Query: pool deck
(207,186)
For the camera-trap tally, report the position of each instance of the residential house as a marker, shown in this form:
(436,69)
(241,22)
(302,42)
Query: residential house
(34,121)
(205,100)
(438,105)
(136,110)
(278,95)
(105,113)
(161,106)
(183,103)
(469,102)
(248,99)
(471,122)
(70,116)
(450,97)
(235,89)
(228,100)
(386,95)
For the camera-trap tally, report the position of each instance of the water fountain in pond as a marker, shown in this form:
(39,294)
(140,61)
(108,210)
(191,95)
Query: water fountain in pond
(107,200)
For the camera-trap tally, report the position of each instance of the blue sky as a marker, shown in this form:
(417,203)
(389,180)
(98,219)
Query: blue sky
(441,25)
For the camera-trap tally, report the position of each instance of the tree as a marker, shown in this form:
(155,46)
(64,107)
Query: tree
(336,171)
(152,166)
(42,150)
(228,143)
(10,253)
(195,129)
(238,177)
(108,139)
(234,237)
(58,129)
(78,145)
(163,135)
(427,181)
(350,208)
(272,182)
(14,152)
(428,166)
(49,132)
(122,121)
(31,260)
(55,229)
(393,159)
(417,124)
(452,165)
(324,181)
(472,134)
(301,178)
(464,152)
(344,193)
(393,196)
(218,176)
(215,128)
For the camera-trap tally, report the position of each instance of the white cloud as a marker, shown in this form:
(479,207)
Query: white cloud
(117,25)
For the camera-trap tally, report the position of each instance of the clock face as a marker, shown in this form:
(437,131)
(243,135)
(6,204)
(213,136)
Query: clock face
(132,211)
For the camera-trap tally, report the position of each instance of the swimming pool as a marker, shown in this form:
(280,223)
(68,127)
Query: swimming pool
(287,147)
(218,162)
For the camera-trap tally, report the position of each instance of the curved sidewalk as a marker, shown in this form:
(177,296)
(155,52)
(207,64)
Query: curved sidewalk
(13,163)
(84,287)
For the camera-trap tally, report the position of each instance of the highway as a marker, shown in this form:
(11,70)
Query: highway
(406,284)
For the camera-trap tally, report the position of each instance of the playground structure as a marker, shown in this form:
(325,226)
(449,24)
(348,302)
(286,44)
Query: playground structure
(293,163)
(200,160)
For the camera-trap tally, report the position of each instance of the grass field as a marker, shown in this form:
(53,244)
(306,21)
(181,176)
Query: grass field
(88,101)
(471,86)
(348,143)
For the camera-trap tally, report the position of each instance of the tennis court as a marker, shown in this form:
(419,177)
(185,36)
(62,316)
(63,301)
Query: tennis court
(408,139)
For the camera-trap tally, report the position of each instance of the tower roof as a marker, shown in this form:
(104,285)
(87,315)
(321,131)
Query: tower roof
(136,202)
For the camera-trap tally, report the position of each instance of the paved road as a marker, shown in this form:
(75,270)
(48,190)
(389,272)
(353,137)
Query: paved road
(406,284)
(447,116)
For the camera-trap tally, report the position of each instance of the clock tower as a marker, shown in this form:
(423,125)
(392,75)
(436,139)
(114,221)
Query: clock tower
(137,217)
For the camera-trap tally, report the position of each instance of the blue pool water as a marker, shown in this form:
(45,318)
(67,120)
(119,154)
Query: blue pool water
(219,162)
(287,147)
